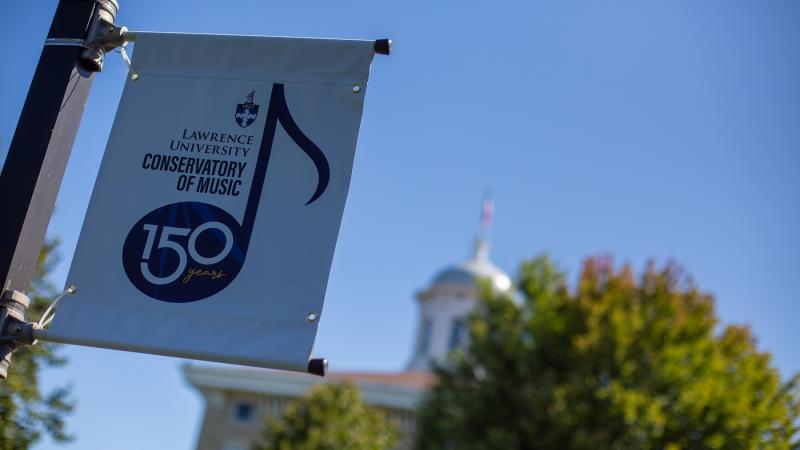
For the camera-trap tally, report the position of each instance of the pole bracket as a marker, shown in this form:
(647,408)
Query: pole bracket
(14,330)
(102,37)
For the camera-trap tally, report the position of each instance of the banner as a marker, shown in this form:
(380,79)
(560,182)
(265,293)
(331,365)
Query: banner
(213,221)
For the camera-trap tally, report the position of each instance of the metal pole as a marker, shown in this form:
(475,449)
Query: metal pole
(42,142)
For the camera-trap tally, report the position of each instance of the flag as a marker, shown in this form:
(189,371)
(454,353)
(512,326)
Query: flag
(487,211)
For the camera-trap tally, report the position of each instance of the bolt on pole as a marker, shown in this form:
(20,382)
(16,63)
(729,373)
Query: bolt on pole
(40,149)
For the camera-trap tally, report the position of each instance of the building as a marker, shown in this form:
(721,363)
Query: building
(238,400)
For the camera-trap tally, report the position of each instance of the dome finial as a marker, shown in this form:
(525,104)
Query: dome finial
(487,211)
(481,250)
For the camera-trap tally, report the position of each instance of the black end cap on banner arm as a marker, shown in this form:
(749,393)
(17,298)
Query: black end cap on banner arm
(383,46)
(318,366)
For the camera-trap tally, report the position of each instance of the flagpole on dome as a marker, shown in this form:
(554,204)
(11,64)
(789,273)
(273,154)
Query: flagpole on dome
(487,214)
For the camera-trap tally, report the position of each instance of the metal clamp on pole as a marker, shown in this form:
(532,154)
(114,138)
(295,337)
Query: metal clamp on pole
(14,331)
(102,37)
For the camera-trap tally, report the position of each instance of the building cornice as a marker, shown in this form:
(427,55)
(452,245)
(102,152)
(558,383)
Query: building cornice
(288,384)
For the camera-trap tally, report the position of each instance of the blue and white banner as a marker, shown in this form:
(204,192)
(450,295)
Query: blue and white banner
(214,218)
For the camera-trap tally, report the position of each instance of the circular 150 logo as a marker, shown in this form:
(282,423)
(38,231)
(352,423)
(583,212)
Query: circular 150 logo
(184,252)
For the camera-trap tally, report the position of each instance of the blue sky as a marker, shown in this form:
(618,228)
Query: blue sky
(666,129)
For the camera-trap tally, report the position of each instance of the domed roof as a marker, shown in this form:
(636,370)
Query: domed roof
(477,267)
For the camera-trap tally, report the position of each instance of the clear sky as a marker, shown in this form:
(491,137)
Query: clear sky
(638,128)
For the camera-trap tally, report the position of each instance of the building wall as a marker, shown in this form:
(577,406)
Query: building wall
(225,427)
(222,429)
(439,315)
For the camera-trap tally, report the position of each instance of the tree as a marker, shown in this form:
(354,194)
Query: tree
(615,363)
(331,417)
(25,412)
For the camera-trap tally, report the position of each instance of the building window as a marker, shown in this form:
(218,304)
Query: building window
(243,412)
(456,334)
(425,337)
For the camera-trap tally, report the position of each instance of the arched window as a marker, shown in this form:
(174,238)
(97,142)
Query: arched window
(456,334)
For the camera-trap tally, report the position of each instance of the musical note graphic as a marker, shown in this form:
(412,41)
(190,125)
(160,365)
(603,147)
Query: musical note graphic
(188,251)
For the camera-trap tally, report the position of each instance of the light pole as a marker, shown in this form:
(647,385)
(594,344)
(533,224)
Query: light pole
(81,33)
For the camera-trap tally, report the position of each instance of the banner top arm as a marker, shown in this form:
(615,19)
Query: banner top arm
(381,46)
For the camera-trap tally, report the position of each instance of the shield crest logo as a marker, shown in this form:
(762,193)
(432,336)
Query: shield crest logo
(246,112)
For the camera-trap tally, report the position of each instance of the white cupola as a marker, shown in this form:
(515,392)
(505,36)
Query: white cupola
(445,305)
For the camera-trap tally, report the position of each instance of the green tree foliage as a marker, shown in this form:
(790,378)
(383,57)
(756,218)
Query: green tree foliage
(26,412)
(618,362)
(331,417)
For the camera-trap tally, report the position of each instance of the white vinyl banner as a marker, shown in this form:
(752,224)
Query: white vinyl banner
(215,214)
